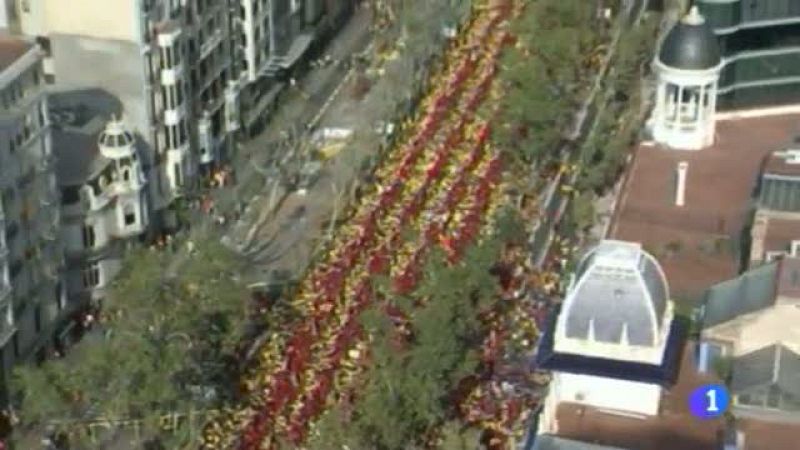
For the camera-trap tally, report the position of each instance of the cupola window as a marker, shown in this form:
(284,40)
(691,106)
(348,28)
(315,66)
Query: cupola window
(88,236)
(91,276)
(129,213)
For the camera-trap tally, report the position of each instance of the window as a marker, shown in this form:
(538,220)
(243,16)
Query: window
(91,276)
(37,318)
(26,6)
(126,174)
(295,6)
(164,99)
(42,114)
(176,169)
(61,299)
(671,102)
(130,215)
(44,43)
(183,135)
(179,93)
(88,236)
(774,397)
(690,103)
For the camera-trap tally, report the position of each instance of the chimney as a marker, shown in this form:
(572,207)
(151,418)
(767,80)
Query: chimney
(757,234)
(680,188)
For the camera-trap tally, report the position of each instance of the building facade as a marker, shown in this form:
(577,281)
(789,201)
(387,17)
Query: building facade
(170,65)
(32,298)
(103,189)
(752,322)
(760,44)
(271,38)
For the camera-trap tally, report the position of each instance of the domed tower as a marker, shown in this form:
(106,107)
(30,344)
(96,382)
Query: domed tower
(614,344)
(618,306)
(118,144)
(688,67)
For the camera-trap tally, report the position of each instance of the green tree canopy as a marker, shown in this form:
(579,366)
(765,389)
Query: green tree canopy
(162,344)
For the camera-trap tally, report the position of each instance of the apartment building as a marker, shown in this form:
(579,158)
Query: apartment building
(170,65)
(271,37)
(32,299)
(759,41)
(102,183)
(212,78)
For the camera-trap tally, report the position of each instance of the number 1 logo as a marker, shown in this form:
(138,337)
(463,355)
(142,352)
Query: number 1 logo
(709,401)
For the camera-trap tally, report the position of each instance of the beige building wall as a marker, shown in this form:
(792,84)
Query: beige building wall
(120,20)
(779,324)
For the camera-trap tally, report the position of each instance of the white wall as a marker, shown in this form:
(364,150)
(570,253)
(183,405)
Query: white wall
(607,393)
(750,332)
(106,19)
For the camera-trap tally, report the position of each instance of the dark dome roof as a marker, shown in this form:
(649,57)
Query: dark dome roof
(690,45)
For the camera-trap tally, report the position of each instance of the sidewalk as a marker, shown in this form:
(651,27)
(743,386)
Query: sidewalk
(252,188)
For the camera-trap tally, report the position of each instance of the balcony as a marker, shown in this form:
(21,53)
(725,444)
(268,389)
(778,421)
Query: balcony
(174,116)
(49,230)
(759,67)
(170,76)
(46,163)
(210,44)
(29,101)
(232,108)
(285,60)
(205,140)
(168,33)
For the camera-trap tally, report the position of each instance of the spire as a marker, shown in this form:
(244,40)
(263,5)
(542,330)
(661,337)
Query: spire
(694,17)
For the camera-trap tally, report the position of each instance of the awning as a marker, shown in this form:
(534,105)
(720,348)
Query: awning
(299,46)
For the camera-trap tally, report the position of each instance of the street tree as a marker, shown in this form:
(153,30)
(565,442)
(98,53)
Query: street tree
(164,345)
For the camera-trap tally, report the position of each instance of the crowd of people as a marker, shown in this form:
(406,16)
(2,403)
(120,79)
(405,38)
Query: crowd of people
(442,181)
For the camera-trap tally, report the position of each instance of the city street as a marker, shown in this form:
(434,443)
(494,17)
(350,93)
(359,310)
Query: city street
(287,230)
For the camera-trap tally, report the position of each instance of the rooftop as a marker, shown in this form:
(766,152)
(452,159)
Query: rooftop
(780,233)
(784,161)
(690,44)
(12,48)
(666,373)
(752,291)
(768,435)
(550,442)
(674,429)
(776,365)
(697,244)
(620,295)
(78,118)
